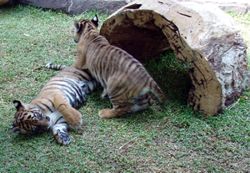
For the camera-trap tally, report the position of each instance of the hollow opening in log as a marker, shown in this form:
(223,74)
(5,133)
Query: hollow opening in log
(171,75)
(148,41)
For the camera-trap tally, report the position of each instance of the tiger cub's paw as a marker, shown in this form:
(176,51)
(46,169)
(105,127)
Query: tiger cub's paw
(107,113)
(78,128)
(75,123)
(62,138)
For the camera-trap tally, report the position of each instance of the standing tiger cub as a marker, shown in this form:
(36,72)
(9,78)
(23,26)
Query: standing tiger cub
(55,108)
(125,81)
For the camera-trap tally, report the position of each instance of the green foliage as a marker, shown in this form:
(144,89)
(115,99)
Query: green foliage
(168,139)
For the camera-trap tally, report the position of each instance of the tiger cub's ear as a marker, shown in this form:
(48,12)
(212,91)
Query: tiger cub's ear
(95,20)
(78,26)
(18,104)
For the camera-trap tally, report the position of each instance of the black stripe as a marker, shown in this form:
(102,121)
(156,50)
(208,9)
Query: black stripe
(101,73)
(64,122)
(58,119)
(25,125)
(65,87)
(48,87)
(55,87)
(40,107)
(70,92)
(76,88)
(51,103)
(47,107)
(66,90)
(119,92)
(70,96)
(128,67)
(44,107)
(88,72)
(80,76)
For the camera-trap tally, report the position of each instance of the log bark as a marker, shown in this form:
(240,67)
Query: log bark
(7,2)
(2,2)
(77,6)
(201,35)
(237,6)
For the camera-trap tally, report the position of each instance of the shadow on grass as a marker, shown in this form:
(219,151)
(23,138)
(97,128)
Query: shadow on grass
(19,139)
(171,75)
(27,136)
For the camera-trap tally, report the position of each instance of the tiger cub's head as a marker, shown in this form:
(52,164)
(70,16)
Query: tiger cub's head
(83,26)
(29,119)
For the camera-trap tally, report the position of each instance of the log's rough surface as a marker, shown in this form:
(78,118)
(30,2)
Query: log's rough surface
(7,2)
(201,35)
(2,2)
(77,6)
(237,6)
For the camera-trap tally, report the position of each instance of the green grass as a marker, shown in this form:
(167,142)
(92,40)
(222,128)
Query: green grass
(173,139)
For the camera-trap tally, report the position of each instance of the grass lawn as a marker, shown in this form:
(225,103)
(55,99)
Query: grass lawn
(173,139)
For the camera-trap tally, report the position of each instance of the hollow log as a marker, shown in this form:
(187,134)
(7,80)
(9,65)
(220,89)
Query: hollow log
(3,2)
(201,35)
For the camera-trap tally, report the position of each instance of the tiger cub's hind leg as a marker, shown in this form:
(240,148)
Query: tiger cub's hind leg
(122,104)
(112,113)
(120,108)
(72,116)
(142,102)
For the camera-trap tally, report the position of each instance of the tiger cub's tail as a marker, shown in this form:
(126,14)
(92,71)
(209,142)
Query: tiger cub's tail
(55,66)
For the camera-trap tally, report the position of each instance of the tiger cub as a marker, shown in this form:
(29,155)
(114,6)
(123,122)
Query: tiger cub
(55,107)
(126,82)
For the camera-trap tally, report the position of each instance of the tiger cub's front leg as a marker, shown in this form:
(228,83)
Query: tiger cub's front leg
(72,116)
(59,127)
(60,133)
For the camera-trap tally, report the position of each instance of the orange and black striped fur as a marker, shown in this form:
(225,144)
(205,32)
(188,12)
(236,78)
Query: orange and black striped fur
(55,107)
(125,81)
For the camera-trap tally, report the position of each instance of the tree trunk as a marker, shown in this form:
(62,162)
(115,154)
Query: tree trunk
(201,35)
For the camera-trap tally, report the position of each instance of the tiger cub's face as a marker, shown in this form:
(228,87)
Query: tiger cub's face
(29,119)
(83,26)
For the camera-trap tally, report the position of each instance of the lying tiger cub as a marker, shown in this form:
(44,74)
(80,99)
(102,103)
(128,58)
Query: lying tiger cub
(55,107)
(126,82)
